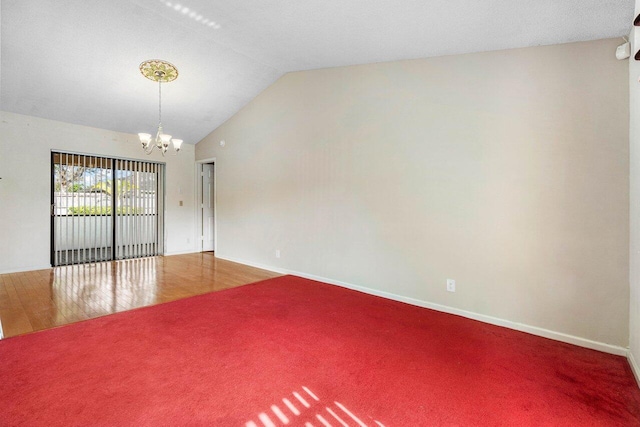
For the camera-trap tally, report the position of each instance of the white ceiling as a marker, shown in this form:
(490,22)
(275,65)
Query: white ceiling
(77,60)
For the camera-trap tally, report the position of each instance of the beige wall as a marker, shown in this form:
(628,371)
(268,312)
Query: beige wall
(25,156)
(634,140)
(507,171)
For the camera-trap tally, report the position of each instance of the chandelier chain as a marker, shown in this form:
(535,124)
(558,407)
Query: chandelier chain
(160,101)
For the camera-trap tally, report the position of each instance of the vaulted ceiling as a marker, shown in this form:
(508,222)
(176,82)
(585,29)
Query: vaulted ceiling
(77,60)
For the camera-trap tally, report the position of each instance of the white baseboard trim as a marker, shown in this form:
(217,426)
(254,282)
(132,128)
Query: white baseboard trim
(634,367)
(23,269)
(534,330)
(190,251)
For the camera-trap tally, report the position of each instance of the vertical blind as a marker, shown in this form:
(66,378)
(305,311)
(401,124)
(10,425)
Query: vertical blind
(105,209)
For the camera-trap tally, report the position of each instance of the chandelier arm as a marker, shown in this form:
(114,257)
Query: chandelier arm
(149,149)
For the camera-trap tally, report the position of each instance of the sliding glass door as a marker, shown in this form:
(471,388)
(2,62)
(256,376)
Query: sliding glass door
(138,233)
(104,209)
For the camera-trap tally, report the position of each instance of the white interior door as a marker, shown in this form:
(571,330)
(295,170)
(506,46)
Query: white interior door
(208,208)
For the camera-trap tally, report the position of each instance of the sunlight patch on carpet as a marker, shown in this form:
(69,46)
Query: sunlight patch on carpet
(338,416)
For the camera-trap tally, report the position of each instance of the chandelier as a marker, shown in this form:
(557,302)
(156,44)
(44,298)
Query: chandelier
(161,72)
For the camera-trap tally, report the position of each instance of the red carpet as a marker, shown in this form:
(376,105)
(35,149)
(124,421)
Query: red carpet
(311,354)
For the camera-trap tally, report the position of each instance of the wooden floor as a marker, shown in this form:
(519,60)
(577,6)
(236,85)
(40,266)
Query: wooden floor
(42,299)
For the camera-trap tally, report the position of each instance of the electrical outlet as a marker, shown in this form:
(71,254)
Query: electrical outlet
(451,285)
(277,253)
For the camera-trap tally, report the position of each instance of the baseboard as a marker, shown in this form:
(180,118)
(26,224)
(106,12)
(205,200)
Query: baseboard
(23,269)
(634,367)
(190,251)
(534,330)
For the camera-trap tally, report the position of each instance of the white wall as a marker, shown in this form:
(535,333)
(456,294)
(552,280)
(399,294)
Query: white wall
(25,155)
(507,171)
(634,142)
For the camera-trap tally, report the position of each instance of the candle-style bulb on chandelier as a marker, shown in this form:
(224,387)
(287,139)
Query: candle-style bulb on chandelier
(161,72)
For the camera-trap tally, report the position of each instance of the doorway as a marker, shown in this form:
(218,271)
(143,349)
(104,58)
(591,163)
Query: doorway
(207,203)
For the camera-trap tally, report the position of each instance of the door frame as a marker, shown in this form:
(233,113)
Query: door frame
(198,205)
(161,200)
